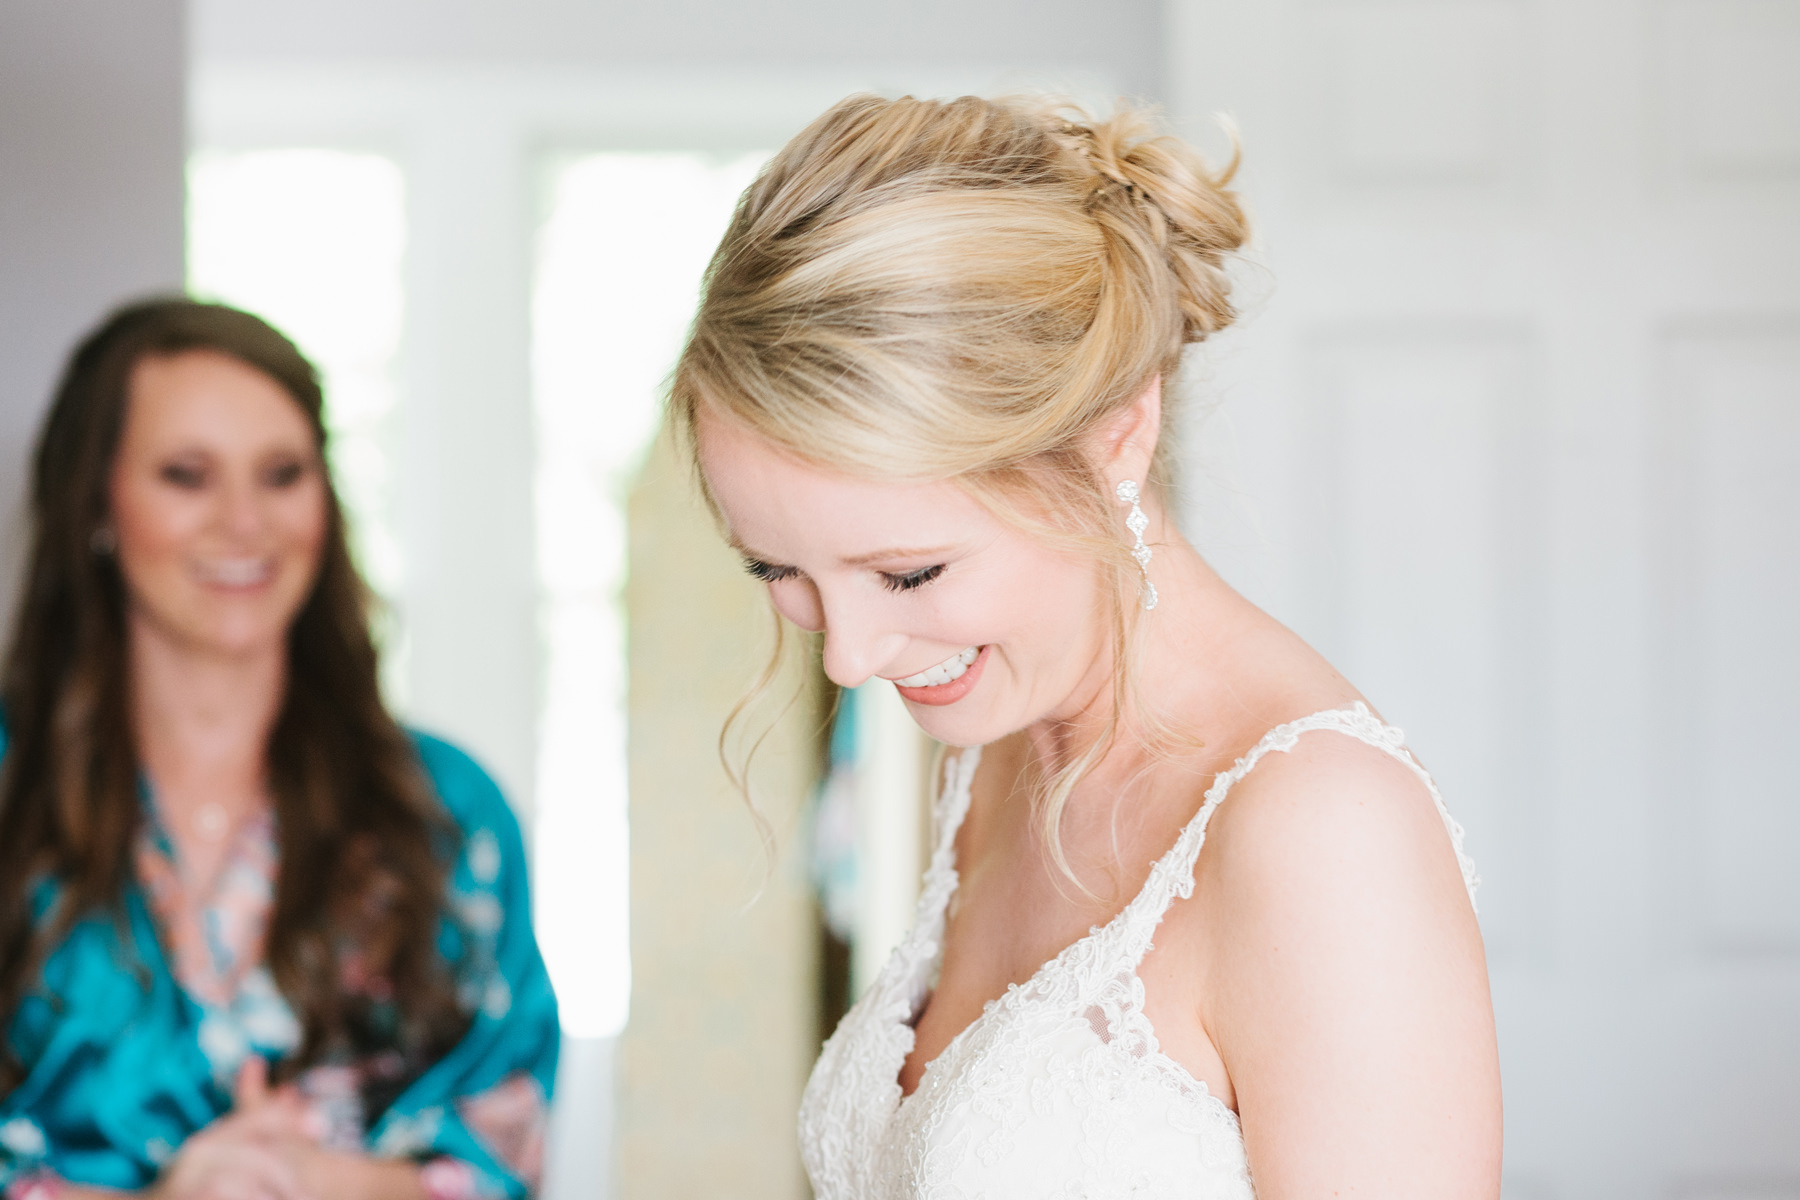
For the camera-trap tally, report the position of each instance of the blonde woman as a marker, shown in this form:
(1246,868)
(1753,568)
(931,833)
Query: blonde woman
(1197,924)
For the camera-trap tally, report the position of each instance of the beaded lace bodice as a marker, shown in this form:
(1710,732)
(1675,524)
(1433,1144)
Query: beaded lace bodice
(1059,1088)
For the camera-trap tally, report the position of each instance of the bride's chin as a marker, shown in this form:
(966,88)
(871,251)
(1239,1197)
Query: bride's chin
(959,730)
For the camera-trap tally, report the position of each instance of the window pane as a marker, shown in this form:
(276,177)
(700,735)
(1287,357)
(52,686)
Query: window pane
(620,255)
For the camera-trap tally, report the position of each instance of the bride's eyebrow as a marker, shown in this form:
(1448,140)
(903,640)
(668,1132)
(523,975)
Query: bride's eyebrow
(858,560)
(863,560)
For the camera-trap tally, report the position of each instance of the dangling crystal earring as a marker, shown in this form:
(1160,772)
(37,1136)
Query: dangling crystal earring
(1137,522)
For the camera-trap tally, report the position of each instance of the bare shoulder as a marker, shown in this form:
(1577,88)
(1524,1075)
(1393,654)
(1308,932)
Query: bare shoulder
(1335,820)
(1343,979)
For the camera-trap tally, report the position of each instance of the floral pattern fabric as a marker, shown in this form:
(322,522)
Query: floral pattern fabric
(129,1049)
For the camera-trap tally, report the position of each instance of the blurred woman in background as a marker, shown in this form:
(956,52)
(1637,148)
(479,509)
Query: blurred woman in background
(256,940)
(926,392)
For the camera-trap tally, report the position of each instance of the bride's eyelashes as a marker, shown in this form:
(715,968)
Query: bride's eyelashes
(912,579)
(768,572)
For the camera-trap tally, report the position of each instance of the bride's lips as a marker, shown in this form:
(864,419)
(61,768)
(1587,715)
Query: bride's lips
(947,693)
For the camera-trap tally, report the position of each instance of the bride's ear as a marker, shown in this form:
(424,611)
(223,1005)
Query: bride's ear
(1128,442)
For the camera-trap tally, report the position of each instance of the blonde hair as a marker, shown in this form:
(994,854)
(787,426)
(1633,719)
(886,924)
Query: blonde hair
(968,290)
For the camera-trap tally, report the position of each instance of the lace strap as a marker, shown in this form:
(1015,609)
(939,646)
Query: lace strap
(1173,874)
(947,813)
(952,804)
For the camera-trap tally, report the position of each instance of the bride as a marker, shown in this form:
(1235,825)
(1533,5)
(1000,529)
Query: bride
(1198,924)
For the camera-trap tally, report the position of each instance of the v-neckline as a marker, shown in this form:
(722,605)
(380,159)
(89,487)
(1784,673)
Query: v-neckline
(991,1006)
(941,918)
(215,935)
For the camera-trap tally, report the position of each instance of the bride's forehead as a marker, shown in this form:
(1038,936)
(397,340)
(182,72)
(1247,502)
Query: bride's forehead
(777,505)
(741,466)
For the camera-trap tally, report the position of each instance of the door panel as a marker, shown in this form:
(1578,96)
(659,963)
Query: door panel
(1511,431)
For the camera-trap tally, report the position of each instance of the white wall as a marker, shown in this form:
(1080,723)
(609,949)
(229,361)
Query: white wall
(92,146)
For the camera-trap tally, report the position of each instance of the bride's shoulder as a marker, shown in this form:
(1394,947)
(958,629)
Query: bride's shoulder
(1340,962)
(1330,813)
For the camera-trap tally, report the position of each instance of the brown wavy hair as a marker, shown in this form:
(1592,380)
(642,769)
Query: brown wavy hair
(365,844)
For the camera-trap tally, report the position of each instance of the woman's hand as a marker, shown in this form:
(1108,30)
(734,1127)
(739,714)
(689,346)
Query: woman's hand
(261,1150)
(336,1175)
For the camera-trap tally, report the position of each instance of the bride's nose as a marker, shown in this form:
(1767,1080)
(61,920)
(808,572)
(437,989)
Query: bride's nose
(856,645)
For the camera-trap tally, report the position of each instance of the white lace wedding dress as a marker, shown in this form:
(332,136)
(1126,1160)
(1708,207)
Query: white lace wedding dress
(1058,1089)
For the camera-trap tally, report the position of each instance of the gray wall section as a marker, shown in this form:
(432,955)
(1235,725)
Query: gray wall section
(1124,37)
(92,142)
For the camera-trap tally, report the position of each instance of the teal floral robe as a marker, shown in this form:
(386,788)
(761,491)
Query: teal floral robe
(123,1062)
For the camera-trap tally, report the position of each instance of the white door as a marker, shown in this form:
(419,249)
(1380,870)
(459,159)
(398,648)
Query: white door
(1512,432)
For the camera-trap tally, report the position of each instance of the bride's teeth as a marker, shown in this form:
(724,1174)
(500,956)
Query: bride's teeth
(944,672)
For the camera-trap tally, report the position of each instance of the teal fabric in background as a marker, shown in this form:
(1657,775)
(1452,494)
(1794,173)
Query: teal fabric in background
(116,1077)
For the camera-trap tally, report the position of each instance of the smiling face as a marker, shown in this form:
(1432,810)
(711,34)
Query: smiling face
(218,501)
(916,582)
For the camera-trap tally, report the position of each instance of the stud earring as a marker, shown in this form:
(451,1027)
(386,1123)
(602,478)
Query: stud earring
(1137,522)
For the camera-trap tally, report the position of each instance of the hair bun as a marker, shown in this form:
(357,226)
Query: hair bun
(1157,187)
(923,289)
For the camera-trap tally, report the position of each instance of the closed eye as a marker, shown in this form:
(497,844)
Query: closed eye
(769,572)
(912,579)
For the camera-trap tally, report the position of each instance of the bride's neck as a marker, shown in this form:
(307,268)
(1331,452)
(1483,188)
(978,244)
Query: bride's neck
(1174,650)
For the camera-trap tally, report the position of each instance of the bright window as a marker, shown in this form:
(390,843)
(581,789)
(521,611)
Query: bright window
(312,241)
(619,260)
